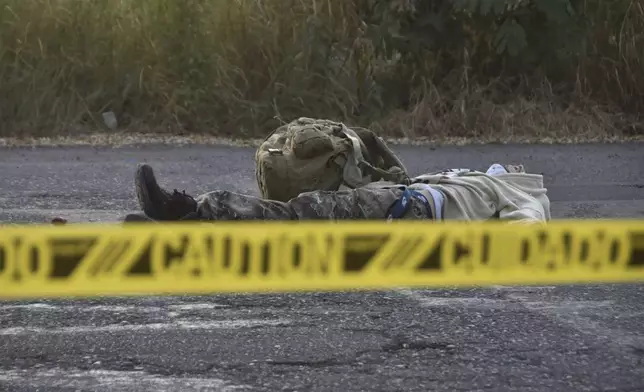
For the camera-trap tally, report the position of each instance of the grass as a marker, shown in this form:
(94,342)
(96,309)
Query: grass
(238,68)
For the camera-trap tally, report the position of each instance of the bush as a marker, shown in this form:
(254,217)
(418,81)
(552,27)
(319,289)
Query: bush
(465,68)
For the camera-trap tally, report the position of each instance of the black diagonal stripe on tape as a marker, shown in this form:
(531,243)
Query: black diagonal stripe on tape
(637,254)
(433,259)
(360,249)
(142,265)
(69,253)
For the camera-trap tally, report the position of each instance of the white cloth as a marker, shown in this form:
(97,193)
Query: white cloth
(495,170)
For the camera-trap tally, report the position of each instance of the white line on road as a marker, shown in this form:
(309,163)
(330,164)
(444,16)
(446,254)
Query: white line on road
(508,302)
(196,306)
(114,381)
(572,313)
(112,308)
(467,302)
(73,215)
(115,328)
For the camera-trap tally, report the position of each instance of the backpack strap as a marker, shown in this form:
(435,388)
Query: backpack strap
(396,173)
(352,174)
(379,150)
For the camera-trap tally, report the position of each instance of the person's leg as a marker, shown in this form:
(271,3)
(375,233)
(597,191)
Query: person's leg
(362,203)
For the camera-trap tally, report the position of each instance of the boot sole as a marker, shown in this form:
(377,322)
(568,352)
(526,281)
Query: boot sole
(136,218)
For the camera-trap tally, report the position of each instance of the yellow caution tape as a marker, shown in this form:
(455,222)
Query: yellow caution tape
(92,260)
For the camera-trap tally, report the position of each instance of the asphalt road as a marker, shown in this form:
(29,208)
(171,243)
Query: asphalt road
(581,338)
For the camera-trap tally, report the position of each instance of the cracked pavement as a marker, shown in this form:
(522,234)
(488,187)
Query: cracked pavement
(567,338)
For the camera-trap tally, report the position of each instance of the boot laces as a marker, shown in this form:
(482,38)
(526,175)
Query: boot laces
(179,203)
(177,196)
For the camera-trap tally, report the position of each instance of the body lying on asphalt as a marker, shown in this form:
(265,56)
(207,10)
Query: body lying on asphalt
(504,192)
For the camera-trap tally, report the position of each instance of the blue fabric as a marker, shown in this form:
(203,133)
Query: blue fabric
(439,200)
(400,207)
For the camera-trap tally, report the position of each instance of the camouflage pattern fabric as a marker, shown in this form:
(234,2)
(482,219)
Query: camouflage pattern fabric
(370,203)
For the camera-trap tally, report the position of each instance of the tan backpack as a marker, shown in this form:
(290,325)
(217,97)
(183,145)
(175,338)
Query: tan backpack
(312,154)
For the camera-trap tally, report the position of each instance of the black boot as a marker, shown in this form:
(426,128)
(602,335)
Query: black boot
(156,202)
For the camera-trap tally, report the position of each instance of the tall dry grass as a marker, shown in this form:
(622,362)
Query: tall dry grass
(239,67)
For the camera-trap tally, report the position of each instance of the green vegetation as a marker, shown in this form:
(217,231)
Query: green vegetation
(407,68)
